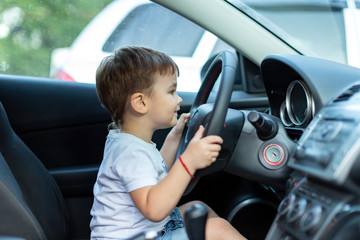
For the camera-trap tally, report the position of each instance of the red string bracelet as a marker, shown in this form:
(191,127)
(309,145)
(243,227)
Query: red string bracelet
(192,176)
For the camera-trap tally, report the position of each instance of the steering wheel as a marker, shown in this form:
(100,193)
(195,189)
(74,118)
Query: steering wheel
(211,116)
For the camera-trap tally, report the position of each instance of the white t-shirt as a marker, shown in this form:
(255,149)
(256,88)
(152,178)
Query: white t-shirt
(129,163)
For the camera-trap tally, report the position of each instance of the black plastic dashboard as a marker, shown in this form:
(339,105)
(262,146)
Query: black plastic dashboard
(298,87)
(323,195)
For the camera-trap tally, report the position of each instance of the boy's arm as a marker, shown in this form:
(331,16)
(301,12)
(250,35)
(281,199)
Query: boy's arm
(157,201)
(169,149)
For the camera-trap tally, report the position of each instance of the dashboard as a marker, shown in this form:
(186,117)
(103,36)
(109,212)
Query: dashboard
(298,87)
(320,101)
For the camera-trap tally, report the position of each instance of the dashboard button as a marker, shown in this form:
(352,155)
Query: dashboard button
(297,211)
(311,218)
(286,204)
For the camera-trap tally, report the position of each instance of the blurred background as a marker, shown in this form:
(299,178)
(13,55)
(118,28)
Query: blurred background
(31,29)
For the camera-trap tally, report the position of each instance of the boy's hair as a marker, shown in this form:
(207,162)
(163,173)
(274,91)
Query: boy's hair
(127,71)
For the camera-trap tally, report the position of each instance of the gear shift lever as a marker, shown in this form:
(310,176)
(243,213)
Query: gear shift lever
(195,221)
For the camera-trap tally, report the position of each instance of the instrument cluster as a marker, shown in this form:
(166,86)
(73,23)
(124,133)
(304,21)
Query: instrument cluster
(298,108)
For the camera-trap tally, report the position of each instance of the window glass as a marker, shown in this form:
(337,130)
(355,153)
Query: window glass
(31,29)
(66,40)
(316,28)
(154,26)
(325,37)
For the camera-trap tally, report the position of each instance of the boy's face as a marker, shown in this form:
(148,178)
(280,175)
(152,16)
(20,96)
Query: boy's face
(164,101)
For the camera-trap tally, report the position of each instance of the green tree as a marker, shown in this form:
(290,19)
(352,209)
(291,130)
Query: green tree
(31,29)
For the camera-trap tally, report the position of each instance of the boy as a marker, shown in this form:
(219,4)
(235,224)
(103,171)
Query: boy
(138,187)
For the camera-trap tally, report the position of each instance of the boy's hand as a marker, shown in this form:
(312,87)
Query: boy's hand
(202,152)
(179,127)
(171,144)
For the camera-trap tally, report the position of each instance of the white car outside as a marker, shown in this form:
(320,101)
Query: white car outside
(188,44)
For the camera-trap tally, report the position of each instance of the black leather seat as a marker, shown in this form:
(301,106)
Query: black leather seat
(31,204)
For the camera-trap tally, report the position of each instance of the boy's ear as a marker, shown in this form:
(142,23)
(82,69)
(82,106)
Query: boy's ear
(138,102)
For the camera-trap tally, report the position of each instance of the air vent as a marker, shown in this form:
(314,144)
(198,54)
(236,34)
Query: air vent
(348,93)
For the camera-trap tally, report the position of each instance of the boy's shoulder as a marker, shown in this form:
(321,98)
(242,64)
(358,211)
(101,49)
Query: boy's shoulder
(128,140)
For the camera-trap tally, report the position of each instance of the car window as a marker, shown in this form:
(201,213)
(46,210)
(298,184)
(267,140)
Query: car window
(31,29)
(67,40)
(154,26)
(141,23)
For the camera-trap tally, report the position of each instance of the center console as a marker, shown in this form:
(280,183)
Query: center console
(323,200)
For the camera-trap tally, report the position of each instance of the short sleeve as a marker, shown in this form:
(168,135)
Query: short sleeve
(135,169)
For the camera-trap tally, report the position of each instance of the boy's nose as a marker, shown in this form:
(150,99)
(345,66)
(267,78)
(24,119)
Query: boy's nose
(180,99)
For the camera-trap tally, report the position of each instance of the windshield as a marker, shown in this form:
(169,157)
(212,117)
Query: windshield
(320,28)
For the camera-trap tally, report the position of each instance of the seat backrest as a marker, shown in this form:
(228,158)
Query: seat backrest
(31,206)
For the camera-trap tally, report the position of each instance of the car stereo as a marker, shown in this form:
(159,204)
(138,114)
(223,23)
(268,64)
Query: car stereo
(330,146)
